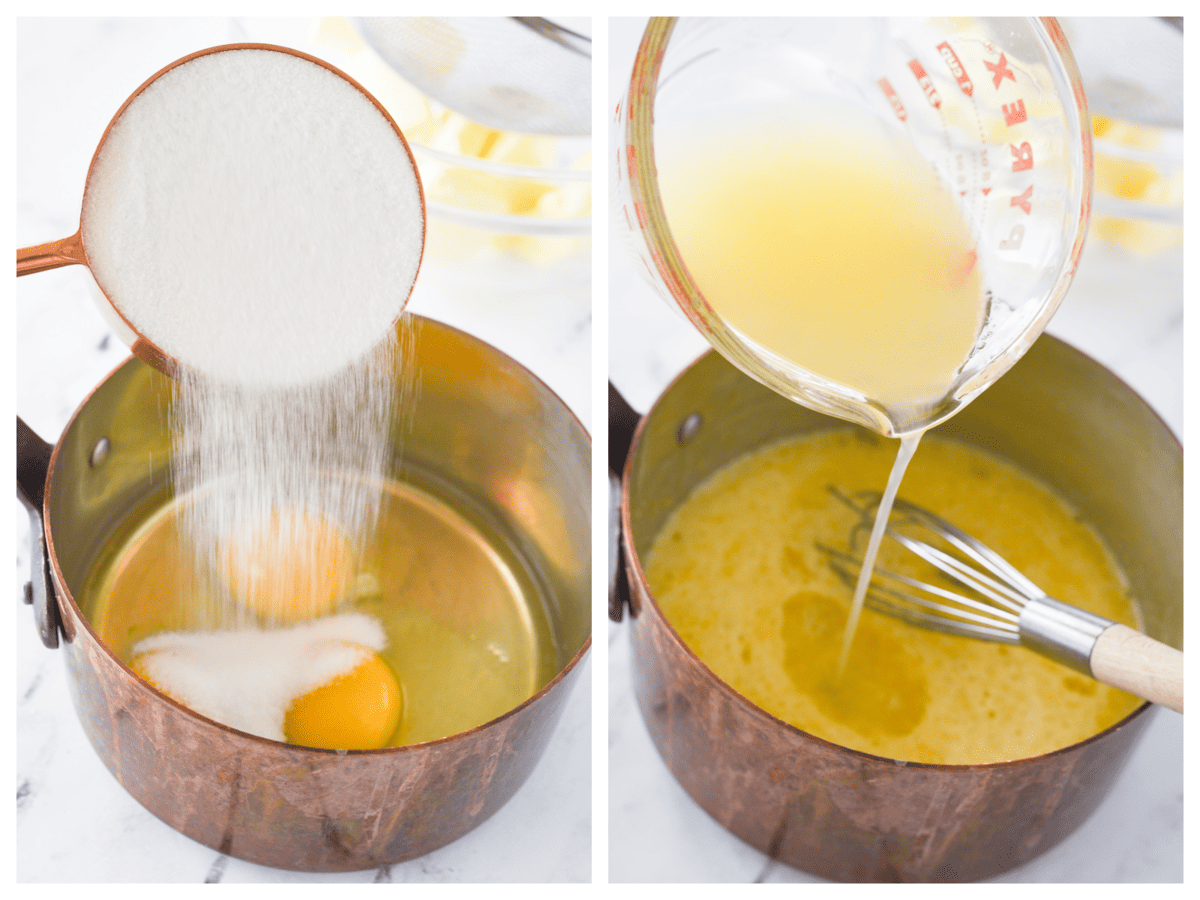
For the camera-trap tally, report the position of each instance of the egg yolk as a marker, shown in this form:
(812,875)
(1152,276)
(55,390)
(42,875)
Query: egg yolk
(295,568)
(359,710)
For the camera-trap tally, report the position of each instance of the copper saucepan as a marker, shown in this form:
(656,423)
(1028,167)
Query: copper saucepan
(840,813)
(480,425)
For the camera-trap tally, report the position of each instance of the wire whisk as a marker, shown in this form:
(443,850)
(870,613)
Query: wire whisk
(996,602)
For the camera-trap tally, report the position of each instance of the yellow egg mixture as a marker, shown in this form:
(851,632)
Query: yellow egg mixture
(736,573)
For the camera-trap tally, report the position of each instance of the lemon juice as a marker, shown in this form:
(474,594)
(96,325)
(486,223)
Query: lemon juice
(827,240)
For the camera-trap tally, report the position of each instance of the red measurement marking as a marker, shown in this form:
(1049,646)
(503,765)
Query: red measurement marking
(1022,157)
(1000,71)
(956,67)
(986,191)
(639,210)
(1023,200)
(959,272)
(893,98)
(926,83)
(1014,113)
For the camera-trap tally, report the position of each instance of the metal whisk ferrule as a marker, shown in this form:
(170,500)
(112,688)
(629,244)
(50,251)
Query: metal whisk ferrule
(1061,632)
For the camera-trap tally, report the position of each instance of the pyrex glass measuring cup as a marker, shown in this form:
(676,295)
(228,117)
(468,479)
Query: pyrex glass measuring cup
(995,106)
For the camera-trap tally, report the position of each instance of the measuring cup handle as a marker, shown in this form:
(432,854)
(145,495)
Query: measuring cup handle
(52,255)
(33,462)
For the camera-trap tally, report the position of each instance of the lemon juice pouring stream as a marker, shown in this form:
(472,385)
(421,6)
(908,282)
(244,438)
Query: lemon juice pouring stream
(875,218)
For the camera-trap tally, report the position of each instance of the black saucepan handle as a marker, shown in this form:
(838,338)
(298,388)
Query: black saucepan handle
(33,463)
(622,423)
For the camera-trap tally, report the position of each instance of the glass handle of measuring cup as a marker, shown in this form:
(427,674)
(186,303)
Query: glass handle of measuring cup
(55,254)
(623,420)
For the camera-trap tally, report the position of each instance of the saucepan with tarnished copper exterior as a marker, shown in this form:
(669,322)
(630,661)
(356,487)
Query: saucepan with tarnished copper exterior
(479,429)
(845,814)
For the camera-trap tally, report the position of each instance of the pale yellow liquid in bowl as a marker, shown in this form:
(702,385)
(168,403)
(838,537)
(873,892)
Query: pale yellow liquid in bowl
(736,573)
(827,240)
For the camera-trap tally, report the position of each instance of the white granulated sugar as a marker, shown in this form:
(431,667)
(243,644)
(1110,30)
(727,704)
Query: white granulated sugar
(247,678)
(256,217)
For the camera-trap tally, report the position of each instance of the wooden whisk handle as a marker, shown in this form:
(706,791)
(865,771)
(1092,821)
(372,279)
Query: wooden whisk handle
(1130,660)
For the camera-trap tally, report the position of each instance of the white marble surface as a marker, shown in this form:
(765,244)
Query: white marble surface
(1126,313)
(73,821)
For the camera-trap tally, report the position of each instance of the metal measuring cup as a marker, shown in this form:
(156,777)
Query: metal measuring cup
(73,250)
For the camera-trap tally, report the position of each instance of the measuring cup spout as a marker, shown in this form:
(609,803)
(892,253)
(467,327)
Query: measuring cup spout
(65,252)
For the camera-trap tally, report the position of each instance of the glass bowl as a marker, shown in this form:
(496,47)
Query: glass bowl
(504,208)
